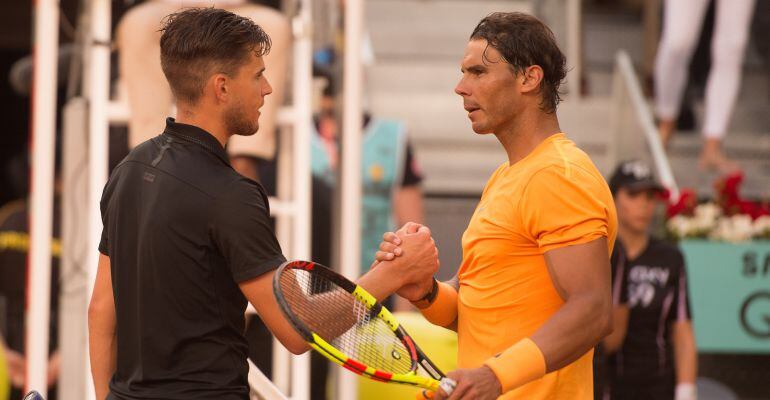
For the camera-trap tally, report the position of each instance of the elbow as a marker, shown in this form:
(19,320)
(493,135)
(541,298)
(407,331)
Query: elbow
(295,345)
(94,310)
(298,348)
(607,327)
(98,313)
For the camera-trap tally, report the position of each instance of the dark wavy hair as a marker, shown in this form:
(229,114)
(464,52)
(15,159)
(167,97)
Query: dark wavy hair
(198,42)
(523,41)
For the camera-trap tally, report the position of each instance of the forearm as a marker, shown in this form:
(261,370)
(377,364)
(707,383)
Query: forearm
(380,282)
(586,318)
(685,353)
(407,205)
(549,348)
(103,355)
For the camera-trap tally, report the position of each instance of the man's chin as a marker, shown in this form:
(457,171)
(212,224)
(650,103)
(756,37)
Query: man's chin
(247,132)
(480,129)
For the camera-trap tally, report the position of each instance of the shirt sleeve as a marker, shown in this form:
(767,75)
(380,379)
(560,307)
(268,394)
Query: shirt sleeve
(243,233)
(681,298)
(562,207)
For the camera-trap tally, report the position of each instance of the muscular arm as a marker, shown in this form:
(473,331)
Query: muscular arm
(581,275)
(380,282)
(102,339)
(685,352)
(259,292)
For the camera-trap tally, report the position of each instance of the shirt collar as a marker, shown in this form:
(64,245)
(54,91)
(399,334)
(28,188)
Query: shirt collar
(194,134)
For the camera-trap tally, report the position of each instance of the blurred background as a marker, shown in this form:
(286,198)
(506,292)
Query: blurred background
(409,59)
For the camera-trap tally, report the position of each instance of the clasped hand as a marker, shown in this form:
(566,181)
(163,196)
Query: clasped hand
(413,253)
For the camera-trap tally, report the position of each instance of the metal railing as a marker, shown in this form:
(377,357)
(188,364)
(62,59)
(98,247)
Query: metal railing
(627,94)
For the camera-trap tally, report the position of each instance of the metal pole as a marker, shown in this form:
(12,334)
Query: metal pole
(303,87)
(647,121)
(98,96)
(352,120)
(41,211)
(575,46)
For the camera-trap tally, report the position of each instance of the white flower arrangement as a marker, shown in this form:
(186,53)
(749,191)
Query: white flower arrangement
(762,227)
(728,217)
(708,221)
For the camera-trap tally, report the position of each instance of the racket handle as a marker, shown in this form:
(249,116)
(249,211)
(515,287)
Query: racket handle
(447,385)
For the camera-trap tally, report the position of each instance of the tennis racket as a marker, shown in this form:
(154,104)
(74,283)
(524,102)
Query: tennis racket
(347,325)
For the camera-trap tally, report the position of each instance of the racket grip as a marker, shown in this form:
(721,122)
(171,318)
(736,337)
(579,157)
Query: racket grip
(447,385)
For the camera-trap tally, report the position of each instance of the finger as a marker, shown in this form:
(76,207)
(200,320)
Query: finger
(423,229)
(447,385)
(460,390)
(461,387)
(409,227)
(414,228)
(384,256)
(391,237)
(390,248)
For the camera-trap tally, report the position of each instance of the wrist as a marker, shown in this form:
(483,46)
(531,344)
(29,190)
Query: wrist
(685,391)
(429,297)
(443,310)
(518,365)
(499,384)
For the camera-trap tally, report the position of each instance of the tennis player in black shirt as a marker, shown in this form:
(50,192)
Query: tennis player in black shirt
(651,351)
(187,240)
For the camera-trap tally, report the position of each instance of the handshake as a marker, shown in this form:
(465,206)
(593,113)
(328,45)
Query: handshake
(410,257)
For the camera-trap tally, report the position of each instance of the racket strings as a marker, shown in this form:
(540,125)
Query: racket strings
(343,321)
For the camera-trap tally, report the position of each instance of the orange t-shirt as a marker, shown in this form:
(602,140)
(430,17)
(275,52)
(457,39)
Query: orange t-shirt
(552,198)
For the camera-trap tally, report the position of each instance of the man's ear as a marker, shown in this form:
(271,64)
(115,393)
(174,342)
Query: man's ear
(531,78)
(219,84)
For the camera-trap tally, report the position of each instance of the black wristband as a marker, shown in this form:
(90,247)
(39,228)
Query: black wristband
(431,295)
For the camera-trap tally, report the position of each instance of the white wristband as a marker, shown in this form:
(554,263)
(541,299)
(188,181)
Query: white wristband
(686,391)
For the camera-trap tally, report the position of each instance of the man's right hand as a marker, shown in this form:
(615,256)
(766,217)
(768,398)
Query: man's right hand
(16,367)
(414,254)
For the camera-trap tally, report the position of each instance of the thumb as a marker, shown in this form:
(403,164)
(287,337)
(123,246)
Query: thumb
(410,227)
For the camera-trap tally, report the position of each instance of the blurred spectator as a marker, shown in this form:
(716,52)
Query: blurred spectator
(682,20)
(151,100)
(651,351)
(14,248)
(390,177)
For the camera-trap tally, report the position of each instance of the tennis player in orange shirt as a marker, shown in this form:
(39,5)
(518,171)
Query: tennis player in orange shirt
(532,296)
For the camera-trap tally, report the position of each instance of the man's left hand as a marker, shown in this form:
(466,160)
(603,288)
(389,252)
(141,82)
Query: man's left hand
(54,367)
(473,384)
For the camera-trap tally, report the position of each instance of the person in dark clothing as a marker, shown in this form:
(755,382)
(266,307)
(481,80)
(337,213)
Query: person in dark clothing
(187,240)
(651,352)
(14,249)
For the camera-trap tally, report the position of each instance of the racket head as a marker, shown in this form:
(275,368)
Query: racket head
(346,324)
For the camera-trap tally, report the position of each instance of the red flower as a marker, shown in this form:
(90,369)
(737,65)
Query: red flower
(684,205)
(728,197)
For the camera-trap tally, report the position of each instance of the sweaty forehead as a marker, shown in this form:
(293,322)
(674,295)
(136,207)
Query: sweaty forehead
(478,52)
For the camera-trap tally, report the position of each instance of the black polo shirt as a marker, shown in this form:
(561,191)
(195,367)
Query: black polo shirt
(182,228)
(654,286)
